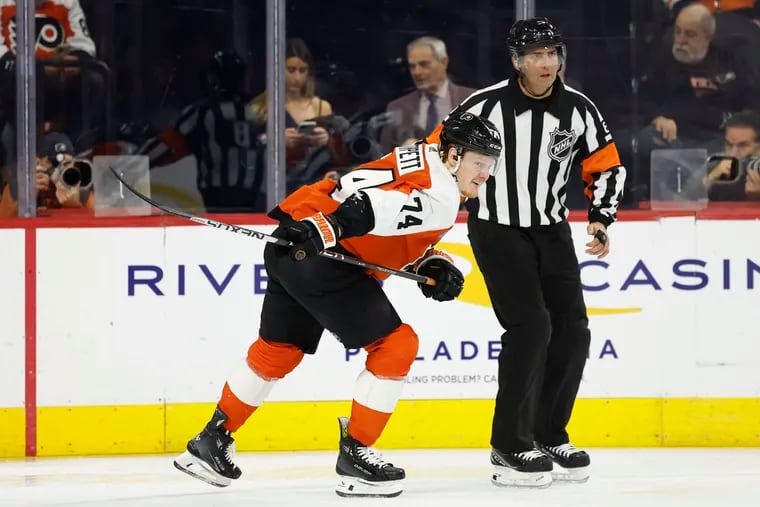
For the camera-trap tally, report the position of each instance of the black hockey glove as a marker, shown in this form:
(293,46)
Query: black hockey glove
(354,217)
(310,235)
(448,279)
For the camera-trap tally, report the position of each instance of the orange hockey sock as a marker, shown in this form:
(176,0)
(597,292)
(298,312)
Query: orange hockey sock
(237,412)
(366,425)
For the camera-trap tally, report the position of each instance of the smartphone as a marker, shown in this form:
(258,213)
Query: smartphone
(307,127)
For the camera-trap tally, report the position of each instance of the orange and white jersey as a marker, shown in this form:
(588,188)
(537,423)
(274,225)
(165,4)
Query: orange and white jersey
(414,197)
(57,23)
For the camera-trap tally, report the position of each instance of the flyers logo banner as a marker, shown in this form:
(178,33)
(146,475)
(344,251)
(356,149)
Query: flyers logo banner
(561,144)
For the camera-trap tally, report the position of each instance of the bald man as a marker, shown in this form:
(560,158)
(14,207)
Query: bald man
(690,91)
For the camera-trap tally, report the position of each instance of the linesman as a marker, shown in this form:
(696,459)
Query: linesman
(522,243)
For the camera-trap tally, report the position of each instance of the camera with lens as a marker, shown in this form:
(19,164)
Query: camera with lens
(72,172)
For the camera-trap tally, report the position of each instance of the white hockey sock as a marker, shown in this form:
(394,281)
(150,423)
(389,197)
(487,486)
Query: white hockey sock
(247,385)
(377,393)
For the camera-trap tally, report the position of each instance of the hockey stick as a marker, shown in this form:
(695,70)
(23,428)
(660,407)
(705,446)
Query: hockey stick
(272,239)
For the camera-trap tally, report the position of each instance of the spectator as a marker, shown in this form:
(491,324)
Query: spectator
(435,95)
(62,180)
(71,92)
(734,177)
(223,136)
(61,27)
(309,120)
(738,21)
(688,95)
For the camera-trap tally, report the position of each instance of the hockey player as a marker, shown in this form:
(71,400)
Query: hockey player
(390,212)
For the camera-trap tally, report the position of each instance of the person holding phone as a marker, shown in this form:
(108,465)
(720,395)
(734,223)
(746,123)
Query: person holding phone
(307,127)
(305,137)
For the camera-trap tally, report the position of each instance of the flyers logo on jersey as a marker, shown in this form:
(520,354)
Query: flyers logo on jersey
(50,34)
(561,144)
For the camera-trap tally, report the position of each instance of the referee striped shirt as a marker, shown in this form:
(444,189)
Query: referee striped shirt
(220,132)
(542,140)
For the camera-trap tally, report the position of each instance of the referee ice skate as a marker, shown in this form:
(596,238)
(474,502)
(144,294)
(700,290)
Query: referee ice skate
(522,244)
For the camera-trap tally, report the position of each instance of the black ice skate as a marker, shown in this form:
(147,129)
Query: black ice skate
(529,469)
(571,464)
(209,455)
(362,471)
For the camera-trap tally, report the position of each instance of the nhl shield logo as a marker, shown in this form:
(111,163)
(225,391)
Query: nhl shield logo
(561,144)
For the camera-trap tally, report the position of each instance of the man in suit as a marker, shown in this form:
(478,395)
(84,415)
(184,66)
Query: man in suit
(433,98)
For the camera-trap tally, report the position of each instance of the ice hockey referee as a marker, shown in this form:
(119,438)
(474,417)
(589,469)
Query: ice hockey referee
(523,247)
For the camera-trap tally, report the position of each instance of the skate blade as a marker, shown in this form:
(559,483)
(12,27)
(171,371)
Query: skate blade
(194,467)
(507,477)
(577,475)
(351,486)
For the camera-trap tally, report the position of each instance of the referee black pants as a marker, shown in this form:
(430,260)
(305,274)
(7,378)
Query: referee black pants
(533,280)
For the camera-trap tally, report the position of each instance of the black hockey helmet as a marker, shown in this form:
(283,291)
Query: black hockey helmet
(533,33)
(467,131)
(226,71)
